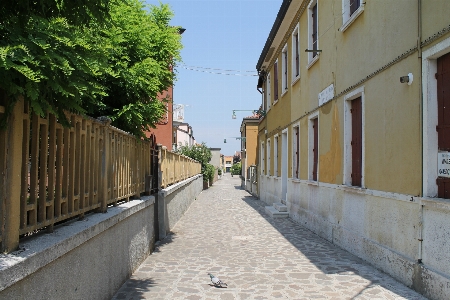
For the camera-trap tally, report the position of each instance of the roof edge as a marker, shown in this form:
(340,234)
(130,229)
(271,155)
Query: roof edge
(276,25)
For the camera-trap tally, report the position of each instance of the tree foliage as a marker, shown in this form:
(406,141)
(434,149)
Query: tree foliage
(102,57)
(202,154)
(236,169)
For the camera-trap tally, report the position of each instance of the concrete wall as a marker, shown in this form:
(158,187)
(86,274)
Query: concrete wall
(382,228)
(87,259)
(175,200)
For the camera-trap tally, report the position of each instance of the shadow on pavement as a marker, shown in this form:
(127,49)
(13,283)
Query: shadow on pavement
(138,286)
(319,251)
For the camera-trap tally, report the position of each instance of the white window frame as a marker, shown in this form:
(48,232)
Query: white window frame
(295,34)
(268,157)
(296,128)
(311,59)
(269,95)
(262,159)
(311,118)
(284,72)
(348,19)
(275,155)
(359,92)
(430,116)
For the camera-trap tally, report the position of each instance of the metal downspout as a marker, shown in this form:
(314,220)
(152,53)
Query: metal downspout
(419,49)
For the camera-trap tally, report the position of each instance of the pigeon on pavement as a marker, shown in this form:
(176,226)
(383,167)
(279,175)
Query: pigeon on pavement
(216,281)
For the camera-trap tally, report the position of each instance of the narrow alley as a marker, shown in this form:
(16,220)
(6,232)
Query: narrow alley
(227,233)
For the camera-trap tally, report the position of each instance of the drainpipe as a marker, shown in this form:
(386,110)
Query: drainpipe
(421,104)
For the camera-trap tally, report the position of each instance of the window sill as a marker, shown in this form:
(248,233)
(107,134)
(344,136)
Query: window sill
(296,79)
(284,93)
(274,102)
(354,189)
(313,61)
(352,18)
(312,182)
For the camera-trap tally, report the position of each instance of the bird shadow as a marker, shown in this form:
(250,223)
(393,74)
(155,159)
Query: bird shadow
(217,286)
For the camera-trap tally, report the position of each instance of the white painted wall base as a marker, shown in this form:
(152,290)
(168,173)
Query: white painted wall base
(382,228)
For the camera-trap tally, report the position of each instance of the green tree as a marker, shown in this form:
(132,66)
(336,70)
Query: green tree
(236,169)
(143,49)
(45,55)
(202,154)
(102,57)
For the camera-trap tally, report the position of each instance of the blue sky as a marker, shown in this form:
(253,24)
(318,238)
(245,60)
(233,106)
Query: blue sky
(224,35)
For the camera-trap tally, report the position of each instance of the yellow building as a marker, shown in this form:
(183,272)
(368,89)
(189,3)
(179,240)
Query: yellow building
(249,141)
(356,134)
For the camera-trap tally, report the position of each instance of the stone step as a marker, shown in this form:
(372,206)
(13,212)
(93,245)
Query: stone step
(271,211)
(280,207)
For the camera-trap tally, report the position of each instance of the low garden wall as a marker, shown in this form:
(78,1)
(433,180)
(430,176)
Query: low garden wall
(82,259)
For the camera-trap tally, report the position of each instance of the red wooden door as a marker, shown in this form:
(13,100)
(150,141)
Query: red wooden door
(443,128)
(356,142)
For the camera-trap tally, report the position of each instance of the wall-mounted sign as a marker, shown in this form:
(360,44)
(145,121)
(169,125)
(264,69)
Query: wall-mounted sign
(326,95)
(178,113)
(444,164)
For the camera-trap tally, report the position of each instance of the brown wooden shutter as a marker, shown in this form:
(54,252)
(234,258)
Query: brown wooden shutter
(443,187)
(297,63)
(275,79)
(443,87)
(443,128)
(285,70)
(314,29)
(354,5)
(356,142)
(297,152)
(316,147)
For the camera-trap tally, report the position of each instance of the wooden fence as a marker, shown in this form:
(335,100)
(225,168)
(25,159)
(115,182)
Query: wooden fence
(176,168)
(51,173)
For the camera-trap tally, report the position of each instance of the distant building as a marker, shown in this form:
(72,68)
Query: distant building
(228,163)
(249,142)
(182,135)
(163,130)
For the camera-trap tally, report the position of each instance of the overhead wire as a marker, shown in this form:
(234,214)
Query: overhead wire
(223,72)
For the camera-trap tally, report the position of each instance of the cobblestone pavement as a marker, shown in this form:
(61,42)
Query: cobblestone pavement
(226,232)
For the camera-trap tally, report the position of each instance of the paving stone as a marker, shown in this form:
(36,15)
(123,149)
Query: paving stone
(257,256)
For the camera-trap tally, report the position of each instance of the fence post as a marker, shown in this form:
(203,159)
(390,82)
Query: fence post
(161,207)
(157,188)
(106,165)
(12,179)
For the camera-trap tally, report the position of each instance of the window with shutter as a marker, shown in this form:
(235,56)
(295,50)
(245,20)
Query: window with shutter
(296,152)
(316,148)
(284,69)
(275,156)
(285,74)
(314,29)
(275,81)
(297,56)
(356,142)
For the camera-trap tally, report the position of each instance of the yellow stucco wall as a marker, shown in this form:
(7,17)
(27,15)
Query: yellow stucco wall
(392,132)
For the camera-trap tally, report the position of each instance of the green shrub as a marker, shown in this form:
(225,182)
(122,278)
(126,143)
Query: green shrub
(236,169)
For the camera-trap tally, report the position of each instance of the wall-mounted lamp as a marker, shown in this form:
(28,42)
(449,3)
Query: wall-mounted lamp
(407,79)
(308,50)
(256,112)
